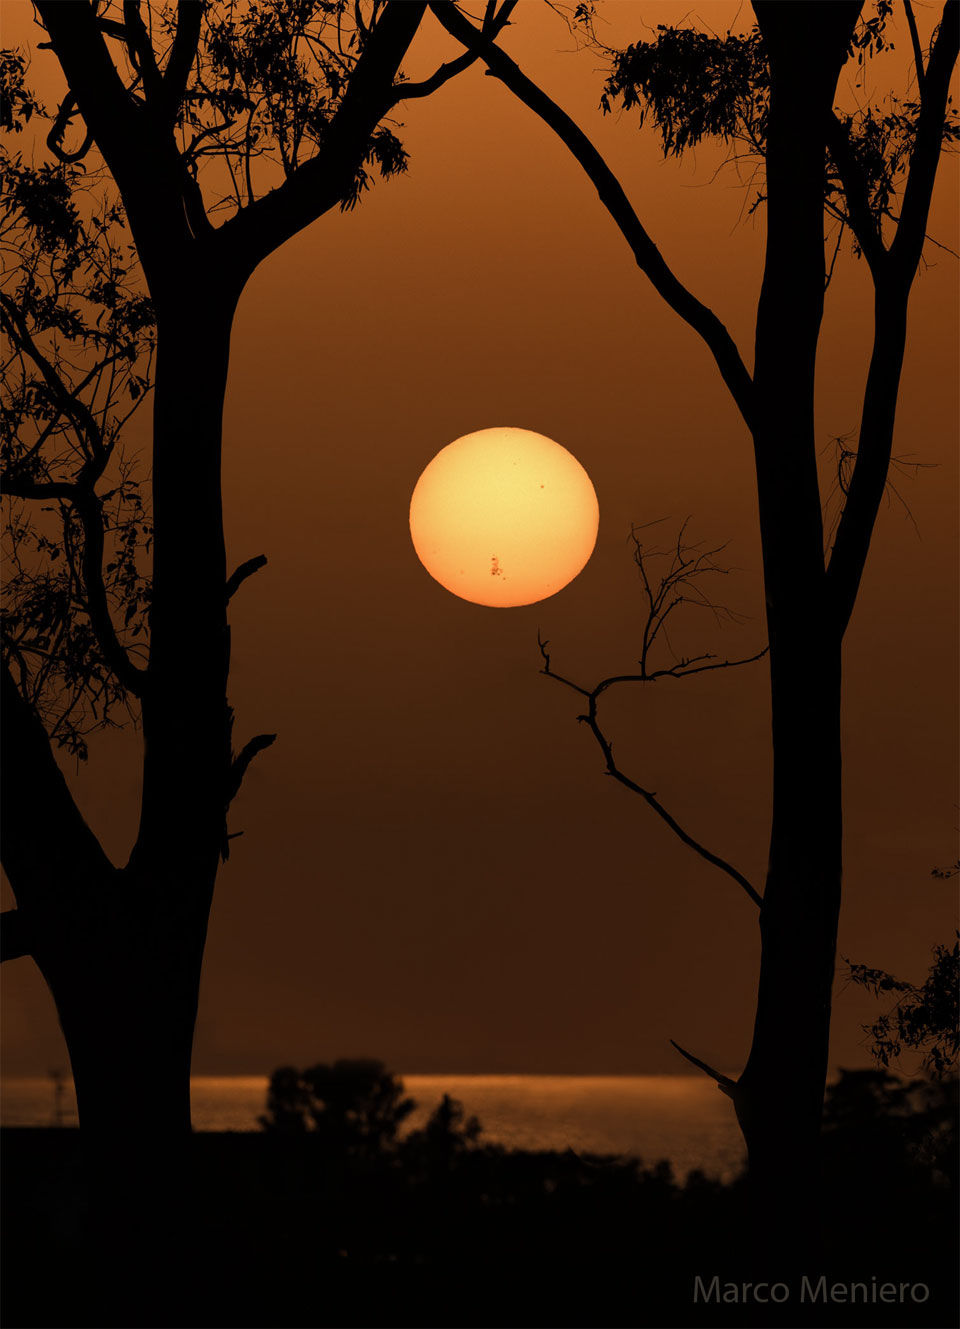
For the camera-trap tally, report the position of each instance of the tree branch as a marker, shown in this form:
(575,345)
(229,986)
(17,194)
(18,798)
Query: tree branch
(493,25)
(86,426)
(80,493)
(241,763)
(684,668)
(50,855)
(859,217)
(138,149)
(140,49)
(915,42)
(59,128)
(874,448)
(260,227)
(591,721)
(183,52)
(90,511)
(647,255)
(240,574)
(907,244)
(728,1086)
(404,92)
(875,442)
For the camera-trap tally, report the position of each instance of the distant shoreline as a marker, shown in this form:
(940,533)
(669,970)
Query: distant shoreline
(681,1118)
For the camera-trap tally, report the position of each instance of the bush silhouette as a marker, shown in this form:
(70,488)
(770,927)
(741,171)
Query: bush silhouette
(357,1106)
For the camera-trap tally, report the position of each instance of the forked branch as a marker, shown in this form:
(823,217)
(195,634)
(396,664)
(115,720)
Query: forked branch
(677,586)
(493,24)
(648,257)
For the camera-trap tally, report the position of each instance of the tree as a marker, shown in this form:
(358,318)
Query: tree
(355,1108)
(774,92)
(224,133)
(924,1019)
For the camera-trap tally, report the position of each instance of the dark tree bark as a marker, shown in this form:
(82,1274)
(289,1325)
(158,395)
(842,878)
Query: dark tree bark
(779,1096)
(121,948)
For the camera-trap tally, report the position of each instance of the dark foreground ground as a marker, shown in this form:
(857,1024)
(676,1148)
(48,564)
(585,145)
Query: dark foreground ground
(273,1232)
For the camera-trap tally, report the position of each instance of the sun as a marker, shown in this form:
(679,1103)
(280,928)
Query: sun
(504,517)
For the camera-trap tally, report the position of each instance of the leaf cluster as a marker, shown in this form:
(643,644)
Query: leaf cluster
(267,82)
(75,366)
(925,1018)
(694,85)
(48,636)
(17,103)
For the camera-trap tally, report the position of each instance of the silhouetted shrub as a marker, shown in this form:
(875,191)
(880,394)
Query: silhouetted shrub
(881,1131)
(356,1106)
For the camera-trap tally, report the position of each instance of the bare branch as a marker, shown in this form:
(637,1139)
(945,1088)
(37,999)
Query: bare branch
(647,255)
(241,763)
(907,244)
(493,24)
(140,48)
(404,92)
(64,116)
(828,276)
(688,563)
(90,510)
(649,797)
(183,52)
(685,668)
(240,574)
(875,443)
(728,1086)
(915,42)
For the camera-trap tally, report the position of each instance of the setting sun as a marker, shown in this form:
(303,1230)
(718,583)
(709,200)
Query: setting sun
(504,517)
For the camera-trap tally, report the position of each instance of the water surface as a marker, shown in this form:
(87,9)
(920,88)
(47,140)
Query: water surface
(679,1117)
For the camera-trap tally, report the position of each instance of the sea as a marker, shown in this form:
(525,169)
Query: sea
(681,1118)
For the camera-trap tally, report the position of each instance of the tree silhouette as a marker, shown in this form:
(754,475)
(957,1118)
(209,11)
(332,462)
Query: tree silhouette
(223,132)
(924,1019)
(772,93)
(356,1107)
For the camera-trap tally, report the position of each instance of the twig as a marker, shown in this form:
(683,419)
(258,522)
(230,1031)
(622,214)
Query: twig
(240,574)
(728,1086)
(687,563)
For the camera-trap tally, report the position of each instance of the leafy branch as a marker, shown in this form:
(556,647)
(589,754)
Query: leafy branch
(76,365)
(925,1018)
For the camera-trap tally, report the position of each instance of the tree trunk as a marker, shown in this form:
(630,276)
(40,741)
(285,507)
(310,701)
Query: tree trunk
(126,976)
(779,1097)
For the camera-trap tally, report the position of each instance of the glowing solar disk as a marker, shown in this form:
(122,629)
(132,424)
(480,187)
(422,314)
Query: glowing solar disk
(504,517)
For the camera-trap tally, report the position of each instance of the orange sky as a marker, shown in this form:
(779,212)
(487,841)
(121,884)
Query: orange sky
(434,870)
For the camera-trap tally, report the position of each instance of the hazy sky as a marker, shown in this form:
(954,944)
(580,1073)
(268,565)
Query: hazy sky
(434,869)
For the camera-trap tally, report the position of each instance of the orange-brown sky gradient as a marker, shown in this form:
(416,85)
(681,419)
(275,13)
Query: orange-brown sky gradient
(434,869)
